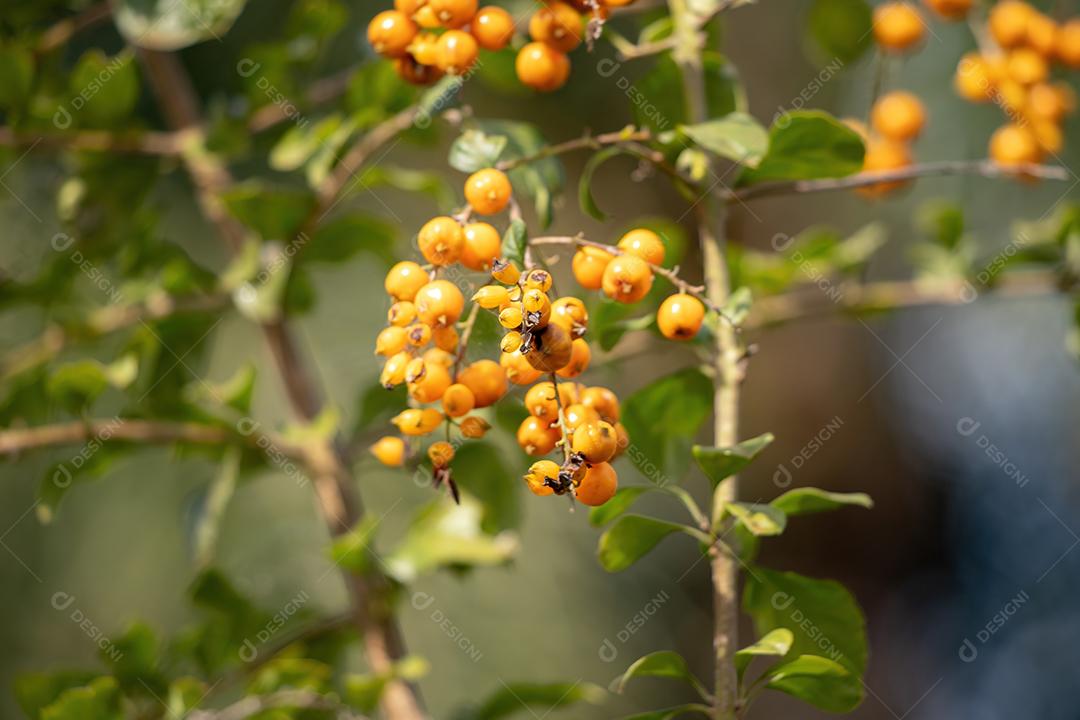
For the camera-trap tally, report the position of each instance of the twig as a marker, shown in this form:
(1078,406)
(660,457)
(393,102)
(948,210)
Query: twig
(64,30)
(594,142)
(466,334)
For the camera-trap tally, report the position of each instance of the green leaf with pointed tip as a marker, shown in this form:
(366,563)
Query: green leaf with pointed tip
(718,464)
(823,683)
(661,420)
(761,520)
(663,663)
(842,29)
(631,538)
(808,144)
(775,644)
(167,25)
(808,500)
(514,242)
(475,150)
(585,196)
(736,136)
(109,85)
(517,698)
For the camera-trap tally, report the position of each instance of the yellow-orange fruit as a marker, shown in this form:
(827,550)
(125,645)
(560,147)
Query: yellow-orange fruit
(390,451)
(404,280)
(487,381)
(518,370)
(898,115)
(401,313)
(542,401)
(1041,34)
(539,473)
(598,486)
(542,67)
(418,421)
(680,317)
(882,155)
(627,279)
(577,414)
(453,13)
(1014,145)
(950,9)
(414,72)
(596,441)
(441,240)
(1068,43)
(974,79)
(431,386)
(457,52)
(1049,135)
(589,264)
(493,28)
(558,25)
(1047,102)
(645,244)
(1008,22)
(580,355)
(535,437)
(391,341)
(570,312)
(1026,66)
(441,453)
(603,401)
(390,33)
(439,303)
(897,26)
(482,246)
(474,428)
(458,400)
(488,191)
(551,349)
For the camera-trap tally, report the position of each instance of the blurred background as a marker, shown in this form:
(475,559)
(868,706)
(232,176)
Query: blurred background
(902,406)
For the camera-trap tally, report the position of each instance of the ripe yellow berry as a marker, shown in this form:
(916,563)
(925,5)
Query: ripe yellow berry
(1041,34)
(415,370)
(570,393)
(391,341)
(453,13)
(482,246)
(627,279)
(505,272)
(491,296)
(680,317)
(898,116)
(390,33)
(571,314)
(418,334)
(535,436)
(897,26)
(1048,134)
(596,441)
(409,7)
(390,451)
(540,472)
(488,191)
(418,421)
(432,385)
(598,486)
(404,279)
(474,428)
(441,240)
(542,402)
(1008,22)
(487,381)
(446,338)
(393,372)
(974,79)
(542,67)
(950,9)
(401,314)
(1047,102)
(538,279)
(535,300)
(645,244)
(438,356)
(493,28)
(1026,66)
(589,264)
(551,351)
(457,52)
(603,401)
(425,17)
(518,370)
(558,25)
(580,355)
(883,155)
(439,303)
(510,317)
(1013,144)
(441,453)
(577,415)
(458,400)
(1068,43)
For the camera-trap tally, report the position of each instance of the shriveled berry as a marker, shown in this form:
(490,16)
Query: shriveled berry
(441,453)
(474,428)
(551,349)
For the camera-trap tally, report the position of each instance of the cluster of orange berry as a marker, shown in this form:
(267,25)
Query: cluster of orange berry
(429,38)
(1012,70)
(896,119)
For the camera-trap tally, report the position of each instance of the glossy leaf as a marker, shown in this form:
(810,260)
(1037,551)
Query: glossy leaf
(475,150)
(167,25)
(718,464)
(622,501)
(530,699)
(737,137)
(631,538)
(823,683)
(775,644)
(808,500)
(808,144)
(760,519)
(514,242)
(664,663)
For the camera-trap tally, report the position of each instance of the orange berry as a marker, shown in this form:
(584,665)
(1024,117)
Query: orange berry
(401,313)
(390,33)
(897,26)
(487,381)
(645,244)
(596,441)
(404,280)
(542,402)
(1047,102)
(439,303)
(882,155)
(441,240)
(393,372)
(493,28)
(542,67)
(474,428)
(425,17)
(446,338)
(898,116)
(1008,22)
(415,370)
(627,279)
(580,355)
(539,473)
(391,341)
(418,421)
(1048,134)
(457,52)
(432,385)
(571,314)
(409,7)
(1014,145)
(1026,66)
(458,400)
(441,453)
(950,9)
(510,317)
(390,451)
(453,13)
(518,370)
(680,317)
(535,436)
(551,350)
(505,272)
(578,414)
(558,25)
(418,334)
(974,79)
(603,401)
(1068,43)
(598,486)
(437,356)
(490,297)
(511,341)
(1042,34)
(537,278)
(482,246)
(488,191)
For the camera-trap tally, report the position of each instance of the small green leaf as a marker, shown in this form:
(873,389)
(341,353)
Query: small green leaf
(362,692)
(621,502)
(16,77)
(36,691)
(475,150)
(808,144)
(517,698)
(737,137)
(109,86)
(514,242)
(823,683)
(585,196)
(480,470)
(99,700)
(843,29)
(166,25)
(761,520)
(632,537)
(775,644)
(663,663)
(808,500)
(718,464)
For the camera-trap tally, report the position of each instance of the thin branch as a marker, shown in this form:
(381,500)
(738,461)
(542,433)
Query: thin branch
(981,168)
(629,50)
(145,143)
(586,142)
(62,31)
(291,699)
(466,335)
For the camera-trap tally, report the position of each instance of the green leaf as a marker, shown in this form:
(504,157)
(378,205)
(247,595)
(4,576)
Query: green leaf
(539,179)
(16,76)
(480,470)
(661,420)
(376,402)
(843,29)
(719,464)
(362,692)
(672,712)
(808,500)
(514,242)
(632,537)
(664,663)
(822,616)
(133,658)
(808,144)
(761,520)
(108,88)
(475,150)
(448,535)
(36,691)
(666,106)
(823,683)
(515,698)
(585,196)
(346,235)
(301,143)
(621,502)
(737,137)
(273,213)
(77,384)
(99,700)
(775,644)
(168,25)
